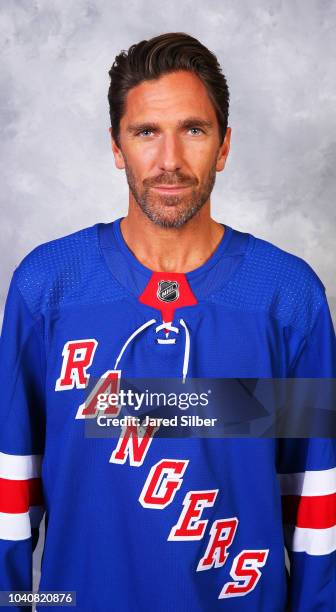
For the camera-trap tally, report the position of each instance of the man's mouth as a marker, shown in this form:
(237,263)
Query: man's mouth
(170,189)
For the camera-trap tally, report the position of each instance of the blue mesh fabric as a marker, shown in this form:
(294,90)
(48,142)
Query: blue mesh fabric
(65,271)
(276,282)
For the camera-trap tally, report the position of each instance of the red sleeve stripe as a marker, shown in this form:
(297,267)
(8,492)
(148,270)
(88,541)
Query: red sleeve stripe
(17,495)
(318,512)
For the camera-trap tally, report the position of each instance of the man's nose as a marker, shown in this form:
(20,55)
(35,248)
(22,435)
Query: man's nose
(170,153)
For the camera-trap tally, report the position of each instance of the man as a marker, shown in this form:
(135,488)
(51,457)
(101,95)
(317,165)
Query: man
(144,522)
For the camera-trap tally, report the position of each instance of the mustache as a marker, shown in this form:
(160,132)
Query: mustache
(171,179)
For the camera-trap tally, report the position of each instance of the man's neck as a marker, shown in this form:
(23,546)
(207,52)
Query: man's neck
(172,249)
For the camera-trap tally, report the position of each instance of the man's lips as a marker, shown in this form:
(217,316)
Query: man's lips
(170,188)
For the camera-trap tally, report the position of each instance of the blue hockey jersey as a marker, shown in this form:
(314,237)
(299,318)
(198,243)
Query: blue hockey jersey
(146,523)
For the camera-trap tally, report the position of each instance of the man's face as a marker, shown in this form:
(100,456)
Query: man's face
(170,147)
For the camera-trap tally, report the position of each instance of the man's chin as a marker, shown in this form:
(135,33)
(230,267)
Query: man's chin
(170,215)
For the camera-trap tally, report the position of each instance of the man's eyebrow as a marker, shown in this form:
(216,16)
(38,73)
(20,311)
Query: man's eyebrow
(183,123)
(195,121)
(145,125)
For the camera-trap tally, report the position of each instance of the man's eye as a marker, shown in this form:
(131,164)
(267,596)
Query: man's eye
(145,132)
(196,129)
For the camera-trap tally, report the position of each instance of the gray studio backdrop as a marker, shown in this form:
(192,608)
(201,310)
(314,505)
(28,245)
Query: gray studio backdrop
(57,169)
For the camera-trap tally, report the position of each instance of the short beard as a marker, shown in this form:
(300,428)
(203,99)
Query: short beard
(184,213)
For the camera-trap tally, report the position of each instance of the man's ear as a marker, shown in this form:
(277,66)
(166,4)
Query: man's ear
(223,151)
(117,154)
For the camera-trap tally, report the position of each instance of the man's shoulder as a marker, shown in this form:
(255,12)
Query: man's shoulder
(280,267)
(273,280)
(56,268)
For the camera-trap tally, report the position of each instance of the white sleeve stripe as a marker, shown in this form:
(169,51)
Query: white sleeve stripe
(20,467)
(310,483)
(312,541)
(18,526)
(14,526)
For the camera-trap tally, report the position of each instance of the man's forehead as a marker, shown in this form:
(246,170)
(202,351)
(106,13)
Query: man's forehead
(181,93)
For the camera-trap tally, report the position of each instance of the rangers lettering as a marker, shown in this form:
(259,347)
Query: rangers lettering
(245,572)
(77,358)
(188,527)
(222,533)
(164,479)
(129,444)
(108,383)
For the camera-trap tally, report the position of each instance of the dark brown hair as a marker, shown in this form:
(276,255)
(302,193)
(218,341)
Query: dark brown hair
(150,59)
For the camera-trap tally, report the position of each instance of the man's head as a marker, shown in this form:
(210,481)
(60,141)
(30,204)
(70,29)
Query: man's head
(169,106)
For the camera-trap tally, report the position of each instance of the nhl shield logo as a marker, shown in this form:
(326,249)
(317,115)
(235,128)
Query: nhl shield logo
(168,291)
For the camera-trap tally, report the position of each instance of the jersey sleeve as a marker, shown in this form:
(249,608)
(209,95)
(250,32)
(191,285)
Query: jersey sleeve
(307,475)
(22,427)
